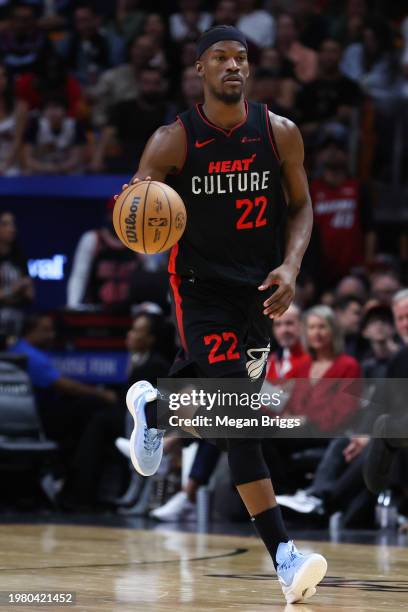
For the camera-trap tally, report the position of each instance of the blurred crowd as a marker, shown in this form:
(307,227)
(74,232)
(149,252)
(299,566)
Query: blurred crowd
(82,87)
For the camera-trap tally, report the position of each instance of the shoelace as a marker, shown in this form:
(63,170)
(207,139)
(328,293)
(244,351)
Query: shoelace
(152,439)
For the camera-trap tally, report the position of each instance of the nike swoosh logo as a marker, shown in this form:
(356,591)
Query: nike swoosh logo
(204,143)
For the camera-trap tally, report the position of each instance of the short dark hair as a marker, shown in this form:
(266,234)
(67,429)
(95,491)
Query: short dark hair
(344,302)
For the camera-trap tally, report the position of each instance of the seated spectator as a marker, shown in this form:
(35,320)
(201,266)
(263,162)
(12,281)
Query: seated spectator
(313,27)
(88,50)
(54,143)
(190,21)
(128,20)
(324,402)
(22,43)
(349,312)
(399,305)
(132,122)
(102,268)
(378,328)
(155,28)
(352,285)
(257,25)
(16,287)
(371,62)
(12,125)
(384,285)
(49,78)
(343,214)
(191,89)
(266,88)
(289,46)
(284,70)
(122,82)
(348,26)
(146,362)
(287,333)
(331,98)
(226,13)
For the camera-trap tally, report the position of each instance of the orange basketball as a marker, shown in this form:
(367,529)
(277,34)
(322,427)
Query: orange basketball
(149,217)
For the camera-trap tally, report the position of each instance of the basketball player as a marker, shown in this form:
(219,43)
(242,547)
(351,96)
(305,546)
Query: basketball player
(239,170)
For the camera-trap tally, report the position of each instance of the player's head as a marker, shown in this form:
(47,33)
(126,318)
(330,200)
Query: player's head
(222,62)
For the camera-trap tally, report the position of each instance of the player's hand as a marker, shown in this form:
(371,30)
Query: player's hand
(284,278)
(355,447)
(132,182)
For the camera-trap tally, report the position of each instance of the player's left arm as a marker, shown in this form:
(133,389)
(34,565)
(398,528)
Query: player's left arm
(300,216)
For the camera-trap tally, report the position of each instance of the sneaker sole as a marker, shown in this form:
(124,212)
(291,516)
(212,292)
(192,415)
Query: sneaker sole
(130,395)
(306,579)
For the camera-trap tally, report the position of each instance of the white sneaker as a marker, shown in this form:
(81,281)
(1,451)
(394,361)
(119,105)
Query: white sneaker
(123,446)
(176,508)
(298,574)
(301,502)
(146,445)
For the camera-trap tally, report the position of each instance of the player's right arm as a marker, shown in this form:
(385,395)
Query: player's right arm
(164,154)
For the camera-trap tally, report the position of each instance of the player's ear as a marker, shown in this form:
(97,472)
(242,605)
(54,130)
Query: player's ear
(199,67)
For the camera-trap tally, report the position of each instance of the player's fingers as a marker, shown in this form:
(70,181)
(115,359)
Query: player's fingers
(115,197)
(125,186)
(278,313)
(276,297)
(282,303)
(270,281)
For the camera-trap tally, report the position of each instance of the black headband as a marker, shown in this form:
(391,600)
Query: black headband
(219,33)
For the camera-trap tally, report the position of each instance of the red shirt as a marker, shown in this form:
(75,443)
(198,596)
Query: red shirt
(328,403)
(281,366)
(337,216)
(27,90)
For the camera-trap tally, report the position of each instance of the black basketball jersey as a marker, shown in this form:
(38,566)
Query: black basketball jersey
(231,186)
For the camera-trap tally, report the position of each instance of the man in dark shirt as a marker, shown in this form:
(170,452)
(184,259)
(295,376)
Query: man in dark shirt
(331,97)
(132,122)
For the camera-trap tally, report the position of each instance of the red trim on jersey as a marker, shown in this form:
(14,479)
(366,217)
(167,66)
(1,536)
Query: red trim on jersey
(178,118)
(216,127)
(171,268)
(270,134)
(175,281)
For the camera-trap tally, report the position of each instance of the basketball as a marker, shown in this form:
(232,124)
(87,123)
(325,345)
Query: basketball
(149,217)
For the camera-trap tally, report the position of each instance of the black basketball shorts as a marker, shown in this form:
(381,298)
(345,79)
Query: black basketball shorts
(223,331)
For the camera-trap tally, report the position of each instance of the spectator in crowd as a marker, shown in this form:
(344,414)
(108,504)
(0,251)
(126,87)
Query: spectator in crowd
(190,21)
(266,88)
(191,89)
(289,46)
(257,24)
(155,28)
(352,285)
(287,333)
(348,27)
(102,268)
(16,287)
(343,215)
(400,311)
(282,68)
(349,312)
(132,122)
(22,43)
(384,285)
(49,78)
(331,98)
(313,27)
(12,125)
(325,404)
(122,82)
(88,50)
(225,13)
(372,63)
(128,21)
(54,143)
(377,327)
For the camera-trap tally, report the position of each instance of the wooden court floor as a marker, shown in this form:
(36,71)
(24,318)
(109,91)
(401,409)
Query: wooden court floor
(126,570)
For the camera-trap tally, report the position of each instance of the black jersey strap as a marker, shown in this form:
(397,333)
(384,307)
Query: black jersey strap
(271,136)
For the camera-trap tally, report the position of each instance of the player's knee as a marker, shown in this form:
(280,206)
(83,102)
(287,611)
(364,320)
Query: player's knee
(246,460)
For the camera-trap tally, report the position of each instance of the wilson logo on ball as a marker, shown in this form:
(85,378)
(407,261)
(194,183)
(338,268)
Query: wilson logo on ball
(157,222)
(130,220)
